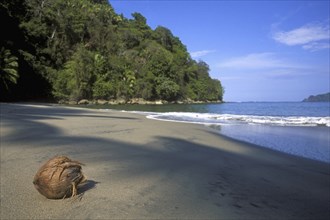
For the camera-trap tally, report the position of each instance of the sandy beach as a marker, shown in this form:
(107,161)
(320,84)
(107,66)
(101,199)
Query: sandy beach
(139,168)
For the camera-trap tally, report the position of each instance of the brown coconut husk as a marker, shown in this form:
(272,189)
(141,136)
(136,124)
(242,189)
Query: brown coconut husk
(59,178)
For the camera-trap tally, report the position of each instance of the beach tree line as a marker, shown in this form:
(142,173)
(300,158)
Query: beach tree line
(82,49)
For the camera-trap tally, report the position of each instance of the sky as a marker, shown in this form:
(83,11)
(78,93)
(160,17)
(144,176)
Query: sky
(259,50)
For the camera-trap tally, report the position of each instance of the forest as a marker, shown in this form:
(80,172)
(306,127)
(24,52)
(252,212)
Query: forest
(318,98)
(81,49)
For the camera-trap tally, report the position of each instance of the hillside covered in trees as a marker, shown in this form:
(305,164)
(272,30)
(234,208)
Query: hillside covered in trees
(318,98)
(82,49)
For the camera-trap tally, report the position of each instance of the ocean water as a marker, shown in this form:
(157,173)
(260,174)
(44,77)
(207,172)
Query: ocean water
(298,128)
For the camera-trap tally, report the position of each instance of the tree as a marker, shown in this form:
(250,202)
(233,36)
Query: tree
(103,89)
(8,68)
(164,37)
(139,20)
(159,60)
(82,49)
(75,80)
(167,89)
(127,84)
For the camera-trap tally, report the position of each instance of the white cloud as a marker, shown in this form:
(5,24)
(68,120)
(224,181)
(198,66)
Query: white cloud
(287,73)
(315,46)
(256,61)
(311,37)
(201,53)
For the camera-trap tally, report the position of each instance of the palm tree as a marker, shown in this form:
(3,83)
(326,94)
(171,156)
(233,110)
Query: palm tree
(8,68)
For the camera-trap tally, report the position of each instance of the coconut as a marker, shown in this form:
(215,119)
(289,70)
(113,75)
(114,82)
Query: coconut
(59,178)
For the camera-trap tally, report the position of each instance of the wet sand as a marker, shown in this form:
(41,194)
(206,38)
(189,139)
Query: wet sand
(146,169)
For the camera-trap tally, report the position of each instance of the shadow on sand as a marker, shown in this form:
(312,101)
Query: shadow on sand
(193,168)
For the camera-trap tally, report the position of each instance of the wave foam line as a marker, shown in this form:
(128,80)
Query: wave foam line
(206,118)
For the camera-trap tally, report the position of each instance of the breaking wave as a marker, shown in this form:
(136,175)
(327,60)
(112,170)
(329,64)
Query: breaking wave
(207,118)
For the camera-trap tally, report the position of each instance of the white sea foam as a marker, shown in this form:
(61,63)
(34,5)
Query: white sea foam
(207,118)
(291,134)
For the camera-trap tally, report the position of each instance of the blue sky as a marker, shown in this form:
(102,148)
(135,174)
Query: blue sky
(259,50)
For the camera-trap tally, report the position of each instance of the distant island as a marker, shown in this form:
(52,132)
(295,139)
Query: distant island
(318,98)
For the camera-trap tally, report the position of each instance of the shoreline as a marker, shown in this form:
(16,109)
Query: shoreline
(143,168)
(318,158)
(288,140)
(134,101)
(267,148)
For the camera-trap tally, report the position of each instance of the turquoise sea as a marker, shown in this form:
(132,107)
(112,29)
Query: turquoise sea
(298,128)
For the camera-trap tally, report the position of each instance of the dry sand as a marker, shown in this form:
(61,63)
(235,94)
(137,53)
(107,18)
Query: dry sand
(147,169)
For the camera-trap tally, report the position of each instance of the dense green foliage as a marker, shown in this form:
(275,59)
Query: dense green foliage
(8,65)
(82,49)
